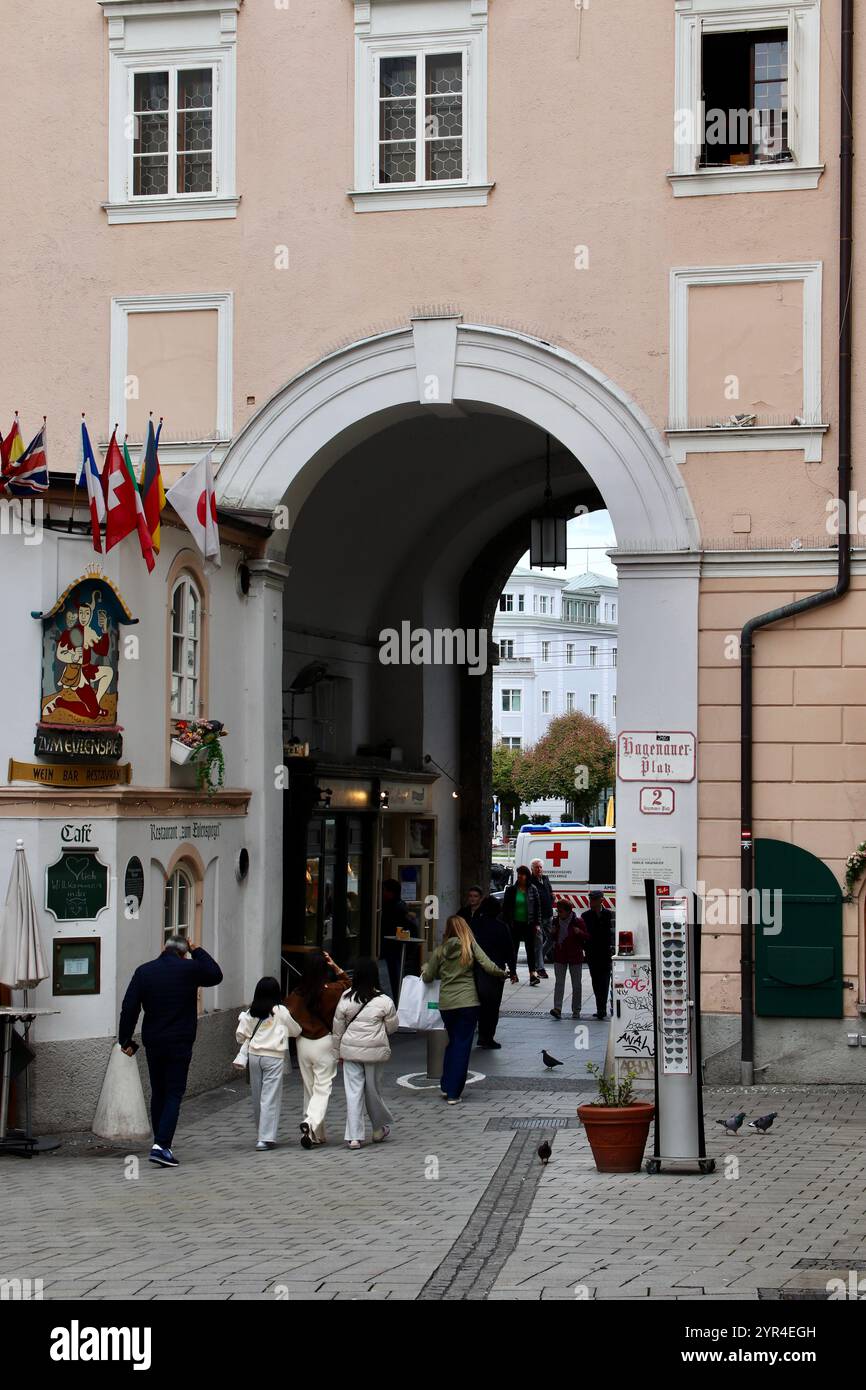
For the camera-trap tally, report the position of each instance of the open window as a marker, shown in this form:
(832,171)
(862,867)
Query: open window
(744,80)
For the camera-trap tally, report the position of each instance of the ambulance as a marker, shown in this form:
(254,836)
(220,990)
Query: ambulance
(576,859)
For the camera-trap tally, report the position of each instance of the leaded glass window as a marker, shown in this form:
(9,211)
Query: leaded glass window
(173,133)
(421,118)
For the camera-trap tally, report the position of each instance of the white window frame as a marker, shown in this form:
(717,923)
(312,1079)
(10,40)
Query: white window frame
(613,652)
(545,702)
(191,34)
(506,648)
(593,704)
(696,18)
(506,603)
(121,308)
(510,692)
(809,437)
(545,652)
(391,30)
(521,603)
(570,705)
(613,707)
(613,615)
(593,656)
(569,653)
(187,582)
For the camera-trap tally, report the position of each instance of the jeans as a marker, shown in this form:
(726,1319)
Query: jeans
(168,1070)
(460,1027)
(266,1088)
(317,1063)
(576,973)
(362,1081)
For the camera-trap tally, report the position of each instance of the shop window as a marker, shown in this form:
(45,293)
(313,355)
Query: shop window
(186,648)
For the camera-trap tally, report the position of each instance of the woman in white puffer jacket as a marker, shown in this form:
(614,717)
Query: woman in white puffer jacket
(364,1017)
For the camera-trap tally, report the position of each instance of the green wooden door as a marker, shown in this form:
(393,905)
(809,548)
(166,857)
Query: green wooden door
(798,970)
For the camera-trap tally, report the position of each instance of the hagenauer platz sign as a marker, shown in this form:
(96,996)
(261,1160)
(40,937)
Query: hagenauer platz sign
(644,756)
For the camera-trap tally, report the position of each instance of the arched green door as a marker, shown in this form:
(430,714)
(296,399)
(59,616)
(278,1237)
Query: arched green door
(798,970)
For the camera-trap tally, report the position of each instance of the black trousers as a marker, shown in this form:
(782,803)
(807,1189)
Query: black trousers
(168,1070)
(522,931)
(599,973)
(490,995)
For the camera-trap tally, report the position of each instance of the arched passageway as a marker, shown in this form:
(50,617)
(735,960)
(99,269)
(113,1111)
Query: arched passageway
(409,464)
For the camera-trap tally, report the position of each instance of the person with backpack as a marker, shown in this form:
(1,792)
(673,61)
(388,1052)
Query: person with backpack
(453,962)
(263,1032)
(312,1005)
(363,1020)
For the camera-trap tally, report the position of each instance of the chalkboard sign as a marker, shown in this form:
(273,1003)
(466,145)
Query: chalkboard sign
(76,886)
(133,886)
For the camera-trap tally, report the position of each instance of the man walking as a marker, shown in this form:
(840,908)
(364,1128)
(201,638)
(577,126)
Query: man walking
(166,988)
(470,909)
(571,938)
(545,895)
(598,921)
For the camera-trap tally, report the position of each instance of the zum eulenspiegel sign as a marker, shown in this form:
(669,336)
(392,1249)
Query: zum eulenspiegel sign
(78,726)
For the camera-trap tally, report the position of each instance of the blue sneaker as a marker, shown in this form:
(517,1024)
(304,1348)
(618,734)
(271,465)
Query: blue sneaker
(164,1157)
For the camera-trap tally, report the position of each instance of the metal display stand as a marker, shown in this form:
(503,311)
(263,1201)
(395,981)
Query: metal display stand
(675,957)
(20,1143)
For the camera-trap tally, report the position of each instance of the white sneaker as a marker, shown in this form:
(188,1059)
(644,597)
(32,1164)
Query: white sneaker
(354,1144)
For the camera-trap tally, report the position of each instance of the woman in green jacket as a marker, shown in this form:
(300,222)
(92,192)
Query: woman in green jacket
(453,963)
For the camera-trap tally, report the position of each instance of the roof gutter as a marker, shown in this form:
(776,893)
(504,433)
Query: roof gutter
(843,580)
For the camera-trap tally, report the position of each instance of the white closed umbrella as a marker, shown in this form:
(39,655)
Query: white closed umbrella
(22,964)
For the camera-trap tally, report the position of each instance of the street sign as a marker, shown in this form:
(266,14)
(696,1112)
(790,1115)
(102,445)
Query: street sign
(644,756)
(657,801)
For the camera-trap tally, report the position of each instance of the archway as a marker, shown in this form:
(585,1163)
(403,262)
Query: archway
(419,450)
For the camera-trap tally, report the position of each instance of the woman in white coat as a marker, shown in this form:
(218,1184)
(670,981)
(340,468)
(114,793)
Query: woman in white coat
(362,1022)
(263,1031)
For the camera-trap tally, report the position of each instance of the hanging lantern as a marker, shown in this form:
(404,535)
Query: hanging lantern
(548,539)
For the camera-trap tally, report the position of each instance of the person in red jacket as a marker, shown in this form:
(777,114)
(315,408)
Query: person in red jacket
(569,937)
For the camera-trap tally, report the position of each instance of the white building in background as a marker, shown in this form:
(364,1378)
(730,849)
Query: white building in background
(557,642)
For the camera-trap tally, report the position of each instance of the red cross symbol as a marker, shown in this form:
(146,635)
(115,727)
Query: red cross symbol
(557,854)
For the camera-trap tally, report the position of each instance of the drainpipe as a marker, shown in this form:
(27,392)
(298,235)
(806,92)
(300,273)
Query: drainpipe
(843,580)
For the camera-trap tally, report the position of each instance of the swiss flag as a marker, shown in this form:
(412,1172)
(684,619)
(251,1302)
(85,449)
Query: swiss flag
(194,500)
(123,507)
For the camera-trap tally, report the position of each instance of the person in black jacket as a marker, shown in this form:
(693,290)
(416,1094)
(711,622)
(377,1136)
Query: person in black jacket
(545,897)
(598,923)
(521,909)
(472,906)
(167,990)
(495,940)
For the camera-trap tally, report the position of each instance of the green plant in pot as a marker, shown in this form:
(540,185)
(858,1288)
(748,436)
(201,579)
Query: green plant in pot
(617,1125)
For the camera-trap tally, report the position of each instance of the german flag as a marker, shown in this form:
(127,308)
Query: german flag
(150,484)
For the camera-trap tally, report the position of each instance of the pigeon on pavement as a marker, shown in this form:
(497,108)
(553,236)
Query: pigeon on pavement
(733,1122)
(549,1062)
(544,1152)
(763,1122)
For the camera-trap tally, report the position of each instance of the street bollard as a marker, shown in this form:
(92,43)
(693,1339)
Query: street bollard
(437,1041)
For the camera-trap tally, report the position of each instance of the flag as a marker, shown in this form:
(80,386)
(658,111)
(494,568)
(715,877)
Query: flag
(152,490)
(28,477)
(124,512)
(89,478)
(193,498)
(12,447)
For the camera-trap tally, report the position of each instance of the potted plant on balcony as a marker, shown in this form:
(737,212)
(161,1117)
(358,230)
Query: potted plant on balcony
(198,741)
(616,1124)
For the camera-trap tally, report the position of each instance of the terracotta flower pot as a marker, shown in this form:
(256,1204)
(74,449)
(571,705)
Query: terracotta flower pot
(617,1134)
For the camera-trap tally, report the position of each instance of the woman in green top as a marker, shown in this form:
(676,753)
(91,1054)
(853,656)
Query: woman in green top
(521,909)
(453,963)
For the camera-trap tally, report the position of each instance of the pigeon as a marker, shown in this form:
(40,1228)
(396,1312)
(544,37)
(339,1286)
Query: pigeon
(733,1123)
(544,1152)
(549,1062)
(763,1122)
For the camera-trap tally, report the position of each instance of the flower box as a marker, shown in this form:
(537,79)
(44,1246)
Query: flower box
(180,752)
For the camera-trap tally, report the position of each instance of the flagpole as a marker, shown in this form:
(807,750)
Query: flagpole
(74,491)
(47,474)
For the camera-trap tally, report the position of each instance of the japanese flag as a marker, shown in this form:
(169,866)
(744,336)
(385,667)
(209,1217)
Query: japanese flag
(194,501)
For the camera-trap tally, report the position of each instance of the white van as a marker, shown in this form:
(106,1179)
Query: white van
(575,859)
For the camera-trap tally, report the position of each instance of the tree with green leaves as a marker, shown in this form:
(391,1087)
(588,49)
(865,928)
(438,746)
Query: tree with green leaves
(574,761)
(505,760)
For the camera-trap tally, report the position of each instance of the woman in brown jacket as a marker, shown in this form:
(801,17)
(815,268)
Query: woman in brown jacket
(312,1005)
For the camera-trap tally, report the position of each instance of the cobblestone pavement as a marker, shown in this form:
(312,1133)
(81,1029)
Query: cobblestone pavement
(455,1205)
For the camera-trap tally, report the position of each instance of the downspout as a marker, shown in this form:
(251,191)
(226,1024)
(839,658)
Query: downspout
(843,580)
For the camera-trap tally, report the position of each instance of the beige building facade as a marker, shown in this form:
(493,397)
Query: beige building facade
(374,253)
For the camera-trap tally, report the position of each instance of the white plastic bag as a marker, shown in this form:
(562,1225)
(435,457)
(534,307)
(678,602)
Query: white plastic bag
(418,1009)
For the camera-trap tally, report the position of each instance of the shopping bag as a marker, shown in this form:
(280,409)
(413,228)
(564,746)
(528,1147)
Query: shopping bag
(418,1009)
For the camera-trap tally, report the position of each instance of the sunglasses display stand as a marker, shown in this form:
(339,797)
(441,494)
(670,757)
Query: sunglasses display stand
(675,957)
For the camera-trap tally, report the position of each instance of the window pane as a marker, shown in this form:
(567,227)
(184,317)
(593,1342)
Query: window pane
(189,698)
(397,77)
(177,609)
(151,134)
(151,91)
(397,163)
(191,657)
(192,612)
(167,907)
(182,900)
(150,176)
(397,120)
(176,653)
(194,88)
(444,74)
(175,695)
(444,159)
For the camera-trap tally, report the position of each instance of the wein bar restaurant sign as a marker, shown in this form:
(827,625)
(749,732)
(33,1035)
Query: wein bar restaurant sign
(645,756)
